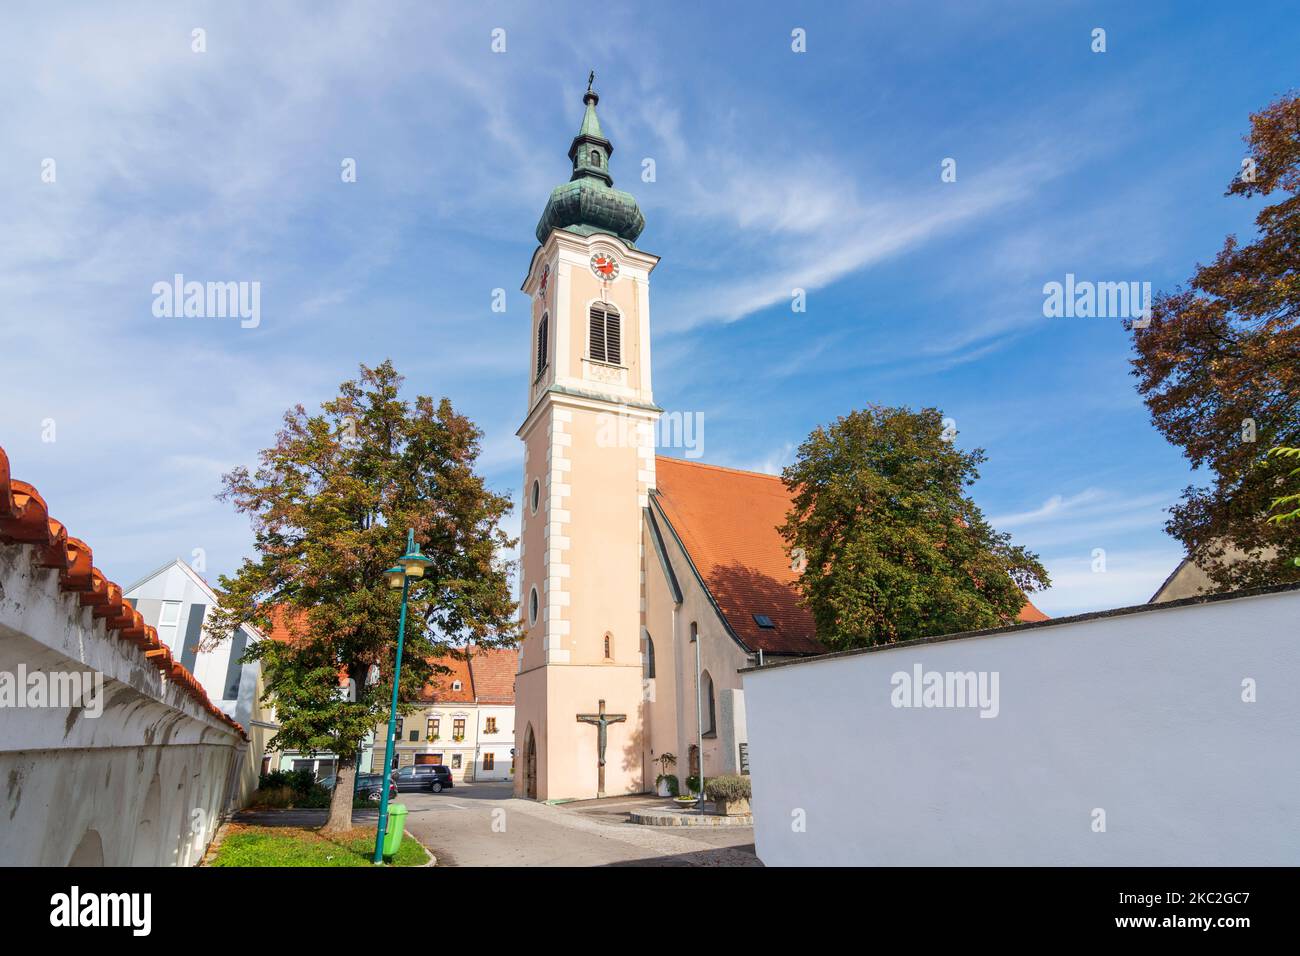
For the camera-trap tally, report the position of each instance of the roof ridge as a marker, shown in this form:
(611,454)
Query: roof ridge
(702,464)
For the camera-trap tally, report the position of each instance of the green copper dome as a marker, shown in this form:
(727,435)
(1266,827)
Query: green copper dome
(588,203)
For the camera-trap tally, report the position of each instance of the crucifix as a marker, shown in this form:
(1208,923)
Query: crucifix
(602,721)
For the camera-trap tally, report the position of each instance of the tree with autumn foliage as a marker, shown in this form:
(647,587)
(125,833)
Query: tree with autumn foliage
(1286,509)
(330,506)
(891,546)
(1219,369)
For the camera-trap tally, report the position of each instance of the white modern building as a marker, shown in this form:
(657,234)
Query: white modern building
(176,601)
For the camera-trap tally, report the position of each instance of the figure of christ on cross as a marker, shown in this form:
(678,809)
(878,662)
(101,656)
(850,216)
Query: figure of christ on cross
(602,721)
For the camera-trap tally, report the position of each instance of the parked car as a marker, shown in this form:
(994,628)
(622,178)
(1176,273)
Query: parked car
(367,785)
(426,776)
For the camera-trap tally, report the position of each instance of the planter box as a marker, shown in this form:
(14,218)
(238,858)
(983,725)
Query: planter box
(732,808)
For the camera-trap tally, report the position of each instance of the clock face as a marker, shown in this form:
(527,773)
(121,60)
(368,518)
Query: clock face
(605,266)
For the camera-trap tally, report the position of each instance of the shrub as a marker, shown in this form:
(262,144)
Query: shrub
(277,798)
(728,787)
(316,798)
(299,781)
(693,783)
(674,786)
(284,797)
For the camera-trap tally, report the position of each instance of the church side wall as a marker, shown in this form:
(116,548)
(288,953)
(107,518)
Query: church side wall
(720,655)
(661,691)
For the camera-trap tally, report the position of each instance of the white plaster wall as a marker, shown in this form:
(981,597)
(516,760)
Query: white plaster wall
(1140,715)
(144,783)
(498,744)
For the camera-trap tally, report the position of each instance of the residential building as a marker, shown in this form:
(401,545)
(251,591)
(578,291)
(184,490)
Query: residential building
(465,718)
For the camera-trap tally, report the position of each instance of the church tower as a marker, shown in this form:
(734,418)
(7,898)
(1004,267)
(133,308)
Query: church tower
(588,470)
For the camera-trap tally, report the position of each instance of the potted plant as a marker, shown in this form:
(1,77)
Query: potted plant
(666,784)
(730,794)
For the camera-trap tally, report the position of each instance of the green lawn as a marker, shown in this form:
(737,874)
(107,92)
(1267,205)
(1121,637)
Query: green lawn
(298,846)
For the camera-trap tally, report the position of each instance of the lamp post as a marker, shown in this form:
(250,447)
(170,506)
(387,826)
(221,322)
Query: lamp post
(409,565)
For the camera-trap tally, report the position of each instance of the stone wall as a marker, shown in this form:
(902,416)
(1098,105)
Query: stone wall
(137,773)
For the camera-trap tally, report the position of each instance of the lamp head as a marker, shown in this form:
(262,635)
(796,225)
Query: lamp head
(414,560)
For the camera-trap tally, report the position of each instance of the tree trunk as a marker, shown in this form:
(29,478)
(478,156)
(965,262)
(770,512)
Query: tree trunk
(340,818)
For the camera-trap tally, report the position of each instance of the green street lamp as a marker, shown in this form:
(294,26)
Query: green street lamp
(409,565)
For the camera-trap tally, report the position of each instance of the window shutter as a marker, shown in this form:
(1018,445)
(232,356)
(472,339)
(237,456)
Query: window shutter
(606,335)
(597,333)
(542,333)
(613,340)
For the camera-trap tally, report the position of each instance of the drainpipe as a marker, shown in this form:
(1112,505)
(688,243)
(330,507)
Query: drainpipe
(699,717)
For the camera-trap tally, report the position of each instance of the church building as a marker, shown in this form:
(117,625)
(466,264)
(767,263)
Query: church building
(637,572)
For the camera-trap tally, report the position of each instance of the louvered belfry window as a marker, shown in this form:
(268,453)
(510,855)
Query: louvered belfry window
(542,333)
(606,334)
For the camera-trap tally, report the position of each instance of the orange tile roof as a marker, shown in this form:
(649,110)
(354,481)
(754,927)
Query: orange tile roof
(25,519)
(441,688)
(488,676)
(493,671)
(287,626)
(728,520)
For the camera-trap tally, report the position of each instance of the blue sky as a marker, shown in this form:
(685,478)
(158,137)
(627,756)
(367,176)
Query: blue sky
(775,170)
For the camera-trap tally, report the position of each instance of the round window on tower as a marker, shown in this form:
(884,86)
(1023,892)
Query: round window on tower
(532,607)
(536,496)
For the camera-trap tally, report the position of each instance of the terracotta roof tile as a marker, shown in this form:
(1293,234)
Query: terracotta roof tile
(493,671)
(441,689)
(727,520)
(25,520)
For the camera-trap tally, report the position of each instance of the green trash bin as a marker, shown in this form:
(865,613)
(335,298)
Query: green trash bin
(396,827)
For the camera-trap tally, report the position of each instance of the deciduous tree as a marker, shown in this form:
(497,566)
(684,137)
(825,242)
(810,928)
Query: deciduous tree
(1219,370)
(330,506)
(894,548)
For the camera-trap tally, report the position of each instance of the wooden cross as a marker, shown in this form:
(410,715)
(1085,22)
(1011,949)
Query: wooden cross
(602,721)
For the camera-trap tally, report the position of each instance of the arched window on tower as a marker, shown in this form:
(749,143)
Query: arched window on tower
(543,333)
(595,158)
(606,334)
(649,656)
(609,647)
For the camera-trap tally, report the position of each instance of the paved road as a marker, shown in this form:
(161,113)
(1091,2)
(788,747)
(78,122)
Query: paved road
(482,824)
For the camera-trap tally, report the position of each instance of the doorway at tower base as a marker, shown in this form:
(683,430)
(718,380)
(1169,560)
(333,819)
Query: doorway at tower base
(549,701)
